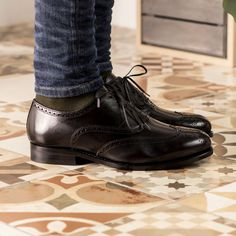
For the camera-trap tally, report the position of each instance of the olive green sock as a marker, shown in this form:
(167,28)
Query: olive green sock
(67,104)
(105,74)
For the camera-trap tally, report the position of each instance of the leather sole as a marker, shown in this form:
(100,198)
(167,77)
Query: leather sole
(63,156)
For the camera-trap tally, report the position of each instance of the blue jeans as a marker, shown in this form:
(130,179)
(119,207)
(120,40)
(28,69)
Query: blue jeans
(72,46)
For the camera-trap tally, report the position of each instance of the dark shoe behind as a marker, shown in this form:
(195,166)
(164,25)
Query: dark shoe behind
(134,94)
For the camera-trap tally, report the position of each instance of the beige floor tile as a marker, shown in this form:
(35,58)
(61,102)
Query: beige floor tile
(15,94)
(7,230)
(66,202)
(17,168)
(167,220)
(17,144)
(173,184)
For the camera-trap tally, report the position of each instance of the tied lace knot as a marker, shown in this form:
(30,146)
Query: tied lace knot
(127,108)
(128,90)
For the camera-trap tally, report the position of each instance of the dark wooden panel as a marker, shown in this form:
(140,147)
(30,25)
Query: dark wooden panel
(210,11)
(189,36)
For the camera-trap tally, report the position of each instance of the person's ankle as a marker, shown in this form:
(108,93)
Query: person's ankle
(105,74)
(67,103)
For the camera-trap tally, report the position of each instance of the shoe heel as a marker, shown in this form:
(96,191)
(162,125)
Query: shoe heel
(56,156)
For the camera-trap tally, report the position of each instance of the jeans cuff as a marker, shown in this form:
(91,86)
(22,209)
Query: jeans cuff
(72,91)
(105,66)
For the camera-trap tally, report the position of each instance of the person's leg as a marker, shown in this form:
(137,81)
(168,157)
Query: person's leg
(103,12)
(65,50)
(112,132)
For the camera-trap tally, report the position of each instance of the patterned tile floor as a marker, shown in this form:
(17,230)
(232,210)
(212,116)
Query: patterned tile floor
(37,199)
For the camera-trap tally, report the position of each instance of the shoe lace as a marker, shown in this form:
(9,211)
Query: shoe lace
(127,109)
(131,90)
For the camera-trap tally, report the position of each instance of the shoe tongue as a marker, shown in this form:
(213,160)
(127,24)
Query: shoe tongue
(109,78)
(113,105)
(101,92)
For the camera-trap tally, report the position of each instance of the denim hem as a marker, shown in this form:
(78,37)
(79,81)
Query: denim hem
(105,66)
(72,91)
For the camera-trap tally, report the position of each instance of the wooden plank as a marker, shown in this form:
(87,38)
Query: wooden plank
(230,61)
(209,11)
(188,36)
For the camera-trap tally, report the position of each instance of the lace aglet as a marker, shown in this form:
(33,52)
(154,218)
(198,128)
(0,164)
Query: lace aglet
(98,103)
(148,127)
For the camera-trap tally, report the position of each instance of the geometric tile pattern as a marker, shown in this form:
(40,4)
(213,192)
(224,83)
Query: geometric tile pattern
(225,144)
(66,198)
(38,199)
(221,201)
(172,184)
(17,168)
(172,219)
